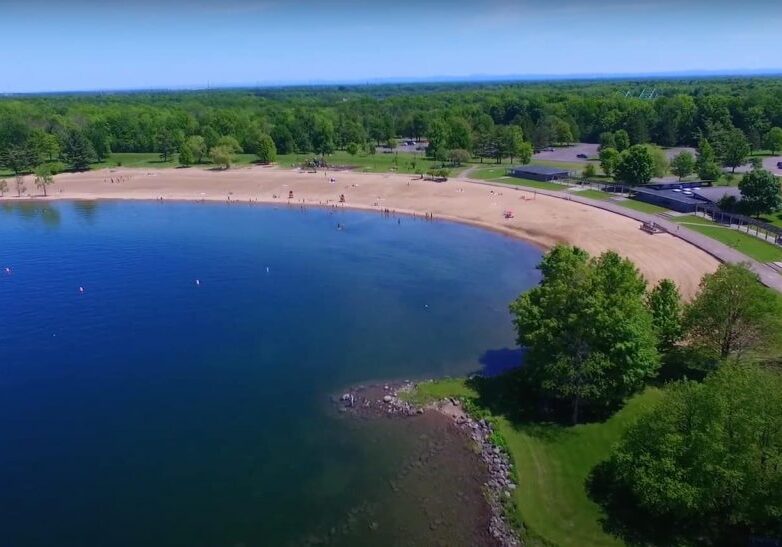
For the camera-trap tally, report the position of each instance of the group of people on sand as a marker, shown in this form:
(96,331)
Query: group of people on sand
(116,180)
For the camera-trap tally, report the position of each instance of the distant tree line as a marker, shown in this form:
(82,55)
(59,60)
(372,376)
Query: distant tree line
(491,122)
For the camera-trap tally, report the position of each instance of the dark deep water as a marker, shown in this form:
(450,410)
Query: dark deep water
(149,410)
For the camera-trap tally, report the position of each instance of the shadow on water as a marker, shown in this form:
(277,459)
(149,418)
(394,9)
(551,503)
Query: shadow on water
(496,362)
(28,210)
(507,388)
(86,209)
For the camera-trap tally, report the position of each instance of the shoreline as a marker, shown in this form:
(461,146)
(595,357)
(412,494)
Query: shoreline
(277,204)
(378,401)
(540,220)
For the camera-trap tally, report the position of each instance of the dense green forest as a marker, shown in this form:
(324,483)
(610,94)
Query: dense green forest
(484,120)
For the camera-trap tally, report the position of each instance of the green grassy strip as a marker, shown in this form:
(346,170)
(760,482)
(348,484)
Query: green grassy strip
(594,194)
(552,464)
(751,246)
(774,218)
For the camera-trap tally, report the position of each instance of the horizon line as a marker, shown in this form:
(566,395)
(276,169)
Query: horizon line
(441,79)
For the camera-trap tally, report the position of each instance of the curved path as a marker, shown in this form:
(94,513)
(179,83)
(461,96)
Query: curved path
(718,250)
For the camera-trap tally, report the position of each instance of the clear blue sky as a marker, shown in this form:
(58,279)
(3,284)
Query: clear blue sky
(110,44)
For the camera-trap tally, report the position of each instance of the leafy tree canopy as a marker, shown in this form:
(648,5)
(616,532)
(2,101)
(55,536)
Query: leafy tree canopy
(588,332)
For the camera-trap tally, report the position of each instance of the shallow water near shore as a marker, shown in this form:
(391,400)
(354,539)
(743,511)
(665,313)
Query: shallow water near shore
(166,370)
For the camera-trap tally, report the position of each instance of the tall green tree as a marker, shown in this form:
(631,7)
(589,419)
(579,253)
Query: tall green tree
(196,148)
(438,138)
(43,177)
(683,164)
(230,142)
(165,144)
(459,134)
(622,140)
(524,152)
(733,148)
(18,158)
(186,157)
(706,162)
(760,192)
(665,305)
(774,139)
(222,156)
(45,146)
(609,160)
(607,140)
(732,314)
(705,463)
(283,139)
(588,332)
(458,157)
(514,142)
(636,166)
(660,164)
(77,150)
(265,149)
(323,136)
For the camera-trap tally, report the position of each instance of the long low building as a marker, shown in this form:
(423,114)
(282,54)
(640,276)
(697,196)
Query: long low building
(684,198)
(539,172)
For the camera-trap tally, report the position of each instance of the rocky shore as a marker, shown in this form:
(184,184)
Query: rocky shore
(386,400)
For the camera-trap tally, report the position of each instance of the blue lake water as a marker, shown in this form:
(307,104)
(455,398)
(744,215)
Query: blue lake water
(183,397)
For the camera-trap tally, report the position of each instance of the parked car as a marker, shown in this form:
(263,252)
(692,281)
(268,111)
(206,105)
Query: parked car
(582,156)
(779,165)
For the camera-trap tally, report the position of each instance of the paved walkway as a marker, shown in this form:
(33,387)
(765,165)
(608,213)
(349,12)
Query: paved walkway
(718,250)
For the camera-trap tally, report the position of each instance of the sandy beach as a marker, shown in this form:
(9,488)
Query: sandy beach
(541,220)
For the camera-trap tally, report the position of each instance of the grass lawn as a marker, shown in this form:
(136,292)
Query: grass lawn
(535,184)
(641,206)
(371,163)
(552,464)
(753,247)
(570,166)
(594,194)
(489,171)
(775,219)
(151,160)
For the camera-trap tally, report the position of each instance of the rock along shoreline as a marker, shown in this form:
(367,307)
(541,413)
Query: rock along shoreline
(383,400)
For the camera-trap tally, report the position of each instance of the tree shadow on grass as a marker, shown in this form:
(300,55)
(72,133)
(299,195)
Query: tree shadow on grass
(507,388)
(684,363)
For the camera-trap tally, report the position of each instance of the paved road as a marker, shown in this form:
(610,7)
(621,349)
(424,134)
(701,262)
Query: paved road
(718,250)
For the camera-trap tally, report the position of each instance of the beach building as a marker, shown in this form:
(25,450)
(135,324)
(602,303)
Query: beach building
(539,172)
(684,197)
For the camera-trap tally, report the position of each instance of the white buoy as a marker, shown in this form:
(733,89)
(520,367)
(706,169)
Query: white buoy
(81,290)
(267,269)
(8,270)
(198,282)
